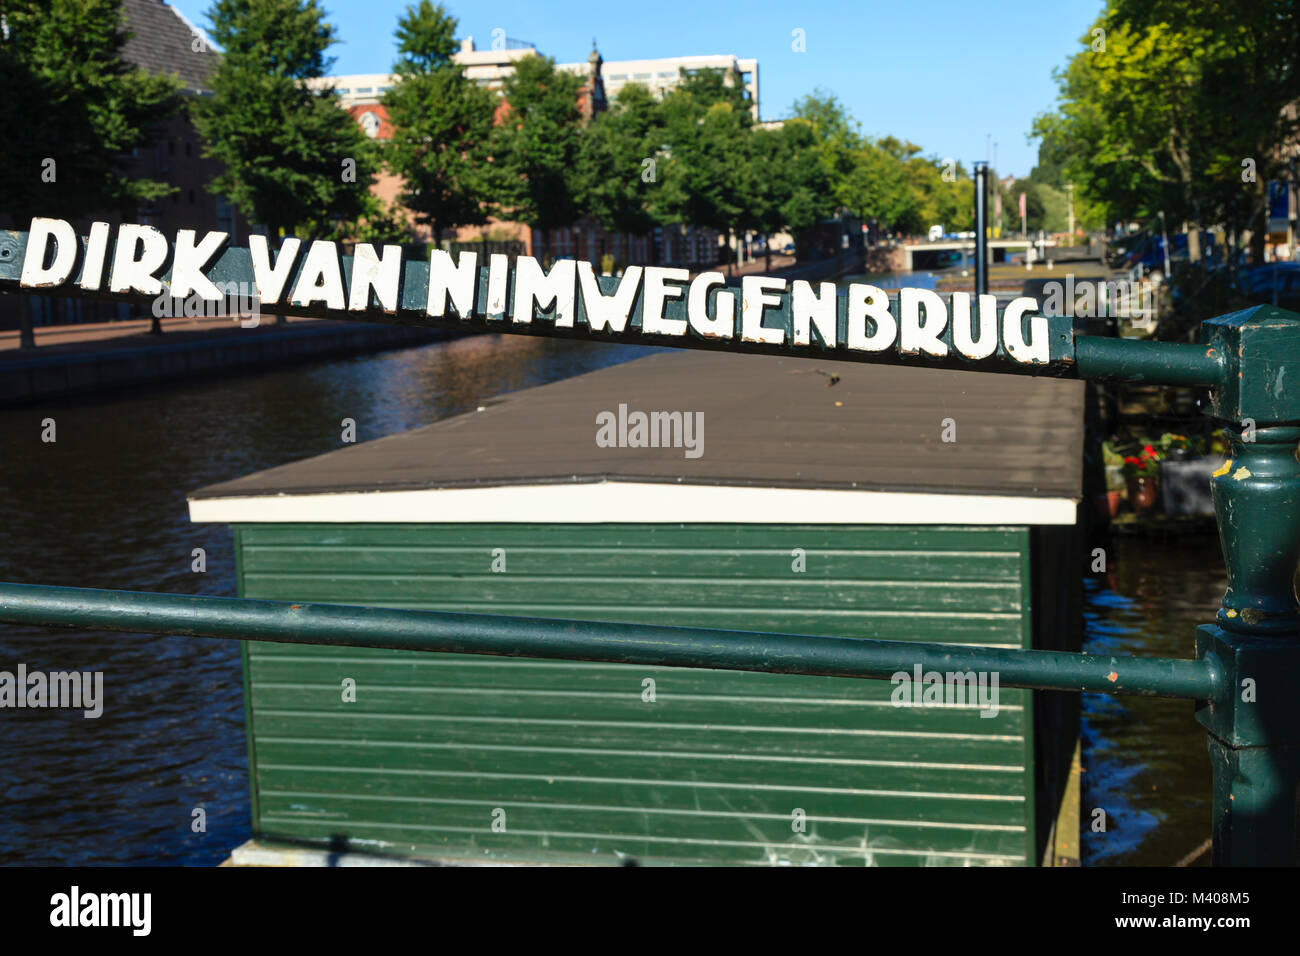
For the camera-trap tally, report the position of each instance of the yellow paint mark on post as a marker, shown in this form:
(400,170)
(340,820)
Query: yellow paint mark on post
(1241,473)
(1223,469)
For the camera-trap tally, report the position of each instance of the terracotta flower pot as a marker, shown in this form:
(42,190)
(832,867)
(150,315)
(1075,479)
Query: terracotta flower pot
(1108,503)
(1142,491)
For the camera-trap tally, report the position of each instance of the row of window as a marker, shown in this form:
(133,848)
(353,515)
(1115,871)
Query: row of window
(621,77)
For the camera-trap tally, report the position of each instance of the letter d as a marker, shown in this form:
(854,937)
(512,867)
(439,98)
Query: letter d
(35,274)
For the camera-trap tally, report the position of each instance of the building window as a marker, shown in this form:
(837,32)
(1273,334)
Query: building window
(361,90)
(342,91)
(226,217)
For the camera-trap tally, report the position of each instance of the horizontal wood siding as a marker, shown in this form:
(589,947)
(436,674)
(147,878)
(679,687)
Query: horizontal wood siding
(716,769)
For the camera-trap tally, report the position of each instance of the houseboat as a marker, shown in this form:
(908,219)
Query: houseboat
(759,493)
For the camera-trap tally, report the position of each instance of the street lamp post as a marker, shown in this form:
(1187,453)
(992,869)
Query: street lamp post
(1069,194)
(981,228)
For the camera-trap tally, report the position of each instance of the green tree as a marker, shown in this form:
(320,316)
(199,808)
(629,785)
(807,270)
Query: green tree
(708,177)
(884,179)
(712,85)
(831,122)
(839,146)
(790,187)
(1034,209)
(617,171)
(536,145)
(1183,94)
(291,156)
(73,111)
(70,98)
(442,125)
(876,185)
(1247,85)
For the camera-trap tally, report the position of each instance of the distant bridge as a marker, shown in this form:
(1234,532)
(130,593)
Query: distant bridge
(928,255)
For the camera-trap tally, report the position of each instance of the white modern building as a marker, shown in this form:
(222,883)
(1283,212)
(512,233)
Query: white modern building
(490,67)
(663,74)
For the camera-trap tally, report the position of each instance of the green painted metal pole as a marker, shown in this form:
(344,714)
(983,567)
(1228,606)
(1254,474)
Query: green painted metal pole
(651,645)
(1254,724)
(1142,360)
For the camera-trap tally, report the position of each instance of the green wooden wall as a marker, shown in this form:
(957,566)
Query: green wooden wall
(572,759)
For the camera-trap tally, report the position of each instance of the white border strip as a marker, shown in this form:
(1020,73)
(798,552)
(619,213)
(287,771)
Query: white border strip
(610,502)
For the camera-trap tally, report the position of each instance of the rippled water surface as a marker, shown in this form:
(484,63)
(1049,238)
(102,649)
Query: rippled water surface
(1145,760)
(104,506)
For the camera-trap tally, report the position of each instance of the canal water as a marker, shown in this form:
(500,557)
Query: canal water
(1144,759)
(161,776)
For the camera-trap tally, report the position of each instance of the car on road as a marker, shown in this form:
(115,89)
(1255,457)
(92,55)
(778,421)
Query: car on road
(1277,282)
(1151,253)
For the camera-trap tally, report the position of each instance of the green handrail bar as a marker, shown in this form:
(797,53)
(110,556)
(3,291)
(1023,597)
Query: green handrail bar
(646,644)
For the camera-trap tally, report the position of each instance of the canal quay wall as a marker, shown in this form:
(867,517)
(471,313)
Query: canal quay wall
(73,360)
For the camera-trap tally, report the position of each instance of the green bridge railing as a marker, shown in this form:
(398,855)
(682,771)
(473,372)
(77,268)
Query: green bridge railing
(1245,677)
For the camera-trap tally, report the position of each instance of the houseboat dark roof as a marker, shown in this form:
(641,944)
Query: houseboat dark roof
(770,424)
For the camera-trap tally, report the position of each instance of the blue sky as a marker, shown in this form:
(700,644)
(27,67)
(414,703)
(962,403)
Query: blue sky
(942,73)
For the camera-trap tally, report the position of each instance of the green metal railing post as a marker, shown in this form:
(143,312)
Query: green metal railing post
(1254,724)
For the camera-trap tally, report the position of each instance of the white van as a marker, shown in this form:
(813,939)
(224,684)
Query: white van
(936,233)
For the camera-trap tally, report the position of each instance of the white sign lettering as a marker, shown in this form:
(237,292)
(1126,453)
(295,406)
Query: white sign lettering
(666,305)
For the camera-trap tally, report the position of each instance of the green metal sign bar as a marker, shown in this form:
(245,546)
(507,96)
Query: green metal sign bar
(855,322)
(1246,678)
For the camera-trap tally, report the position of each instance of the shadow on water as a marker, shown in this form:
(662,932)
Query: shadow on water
(104,506)
(1145,760)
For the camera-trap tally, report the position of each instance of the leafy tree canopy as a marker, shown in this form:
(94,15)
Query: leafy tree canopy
(291,156)
(442,124)
(73,110)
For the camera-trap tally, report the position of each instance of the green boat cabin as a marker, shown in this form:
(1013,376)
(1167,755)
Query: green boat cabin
(689,488)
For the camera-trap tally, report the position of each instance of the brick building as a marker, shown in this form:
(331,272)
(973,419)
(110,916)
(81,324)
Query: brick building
(361,96)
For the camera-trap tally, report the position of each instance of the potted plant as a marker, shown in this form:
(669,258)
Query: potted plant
(1175,447)
(1141,471)
(1185,473)
(1108,504)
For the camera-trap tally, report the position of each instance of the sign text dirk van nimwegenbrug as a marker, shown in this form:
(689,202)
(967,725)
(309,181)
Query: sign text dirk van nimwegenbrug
(664,306)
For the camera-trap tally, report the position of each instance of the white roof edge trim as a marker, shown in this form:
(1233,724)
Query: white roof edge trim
(627,502)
